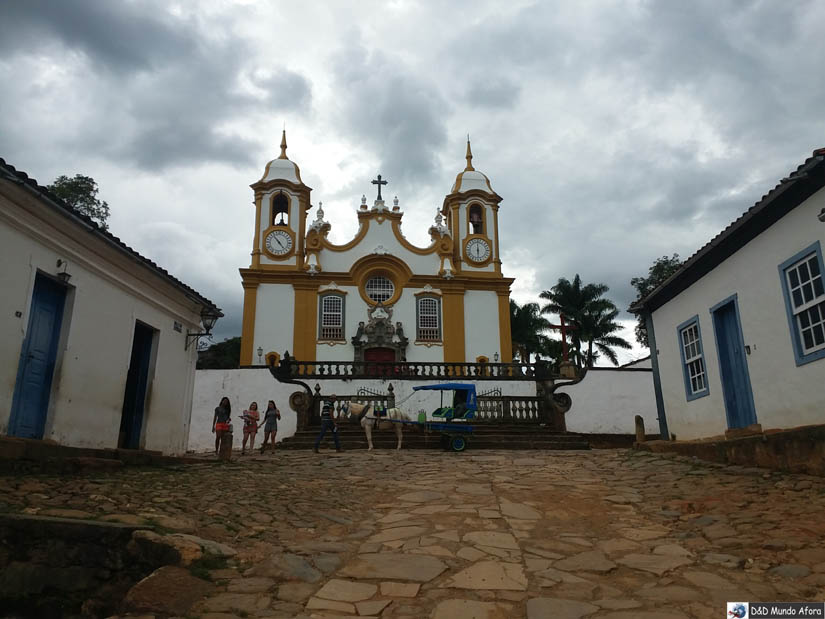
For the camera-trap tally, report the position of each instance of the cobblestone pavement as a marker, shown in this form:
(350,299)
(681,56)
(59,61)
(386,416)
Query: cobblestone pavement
(608,534)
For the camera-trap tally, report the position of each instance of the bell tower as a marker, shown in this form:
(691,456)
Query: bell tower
(471,210)
(281,206)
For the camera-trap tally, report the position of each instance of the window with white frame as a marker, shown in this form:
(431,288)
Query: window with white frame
(379,288)
(693,359)
(331,323)
(805,292)
(428,319)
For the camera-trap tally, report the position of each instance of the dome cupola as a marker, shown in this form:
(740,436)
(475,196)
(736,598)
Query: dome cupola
(282,169)
(470,178)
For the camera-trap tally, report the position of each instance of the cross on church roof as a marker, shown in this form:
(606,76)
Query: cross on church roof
(379,182)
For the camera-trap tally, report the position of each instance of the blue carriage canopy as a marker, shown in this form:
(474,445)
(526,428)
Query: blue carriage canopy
(463,391)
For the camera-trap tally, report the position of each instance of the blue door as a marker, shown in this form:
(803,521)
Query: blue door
(733,367)
(137,379)
(35,369)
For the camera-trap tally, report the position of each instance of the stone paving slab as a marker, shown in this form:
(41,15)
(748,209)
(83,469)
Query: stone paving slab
(614,534)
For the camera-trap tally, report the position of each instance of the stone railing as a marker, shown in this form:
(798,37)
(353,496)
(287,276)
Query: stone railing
(409,370)
(511,409)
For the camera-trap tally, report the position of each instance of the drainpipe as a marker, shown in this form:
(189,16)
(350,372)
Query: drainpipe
(657,382)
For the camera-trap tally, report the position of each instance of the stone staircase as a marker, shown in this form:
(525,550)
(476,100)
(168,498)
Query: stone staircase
(484,436)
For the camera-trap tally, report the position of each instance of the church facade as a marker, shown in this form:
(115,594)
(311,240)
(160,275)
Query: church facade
(377,297)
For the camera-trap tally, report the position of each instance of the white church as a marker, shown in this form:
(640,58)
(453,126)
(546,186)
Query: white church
(377,297)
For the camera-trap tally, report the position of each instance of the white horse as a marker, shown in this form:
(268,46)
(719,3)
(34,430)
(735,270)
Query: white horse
(365,413)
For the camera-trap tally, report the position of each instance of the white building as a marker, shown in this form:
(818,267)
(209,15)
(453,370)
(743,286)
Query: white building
(738,333)
(95,351)
(377,297)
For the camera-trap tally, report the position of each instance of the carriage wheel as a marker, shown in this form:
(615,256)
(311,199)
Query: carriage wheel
(458,443)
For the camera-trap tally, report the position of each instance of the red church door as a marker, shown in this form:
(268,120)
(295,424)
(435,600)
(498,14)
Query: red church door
(385,355)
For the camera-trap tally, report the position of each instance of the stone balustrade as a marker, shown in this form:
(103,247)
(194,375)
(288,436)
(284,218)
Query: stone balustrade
(410,370)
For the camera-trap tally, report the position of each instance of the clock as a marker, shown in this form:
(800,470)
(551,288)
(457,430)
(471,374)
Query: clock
(477,250)
(279,242)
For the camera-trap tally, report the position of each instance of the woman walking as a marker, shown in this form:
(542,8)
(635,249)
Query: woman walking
(220,422)
(250,417)
(271,417)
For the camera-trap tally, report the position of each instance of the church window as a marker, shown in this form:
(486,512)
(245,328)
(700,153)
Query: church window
(803,284)
(476,219)
(379,289)
(331,323)
(693,359)
(428,320)
(280,209)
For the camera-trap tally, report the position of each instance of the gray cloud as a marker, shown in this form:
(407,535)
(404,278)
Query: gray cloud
(166,88)
(391,111)
(494,93)
(117,35)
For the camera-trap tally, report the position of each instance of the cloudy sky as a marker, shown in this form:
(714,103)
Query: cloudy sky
(616,131)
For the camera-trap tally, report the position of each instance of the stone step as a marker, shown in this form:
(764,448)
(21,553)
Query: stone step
(501,436)
(354,439)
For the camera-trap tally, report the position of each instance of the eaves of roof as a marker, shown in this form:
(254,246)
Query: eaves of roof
(791,191)
(49,199)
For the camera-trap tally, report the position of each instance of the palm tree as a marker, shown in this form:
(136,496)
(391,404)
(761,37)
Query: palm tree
(592,315)
(527,327)
(599,329)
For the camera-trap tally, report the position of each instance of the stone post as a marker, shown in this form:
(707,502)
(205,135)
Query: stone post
(301,403)
(225,451)
(640,429)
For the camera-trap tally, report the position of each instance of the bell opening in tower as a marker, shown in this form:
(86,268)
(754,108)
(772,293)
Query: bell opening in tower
(280,210)
(476,220)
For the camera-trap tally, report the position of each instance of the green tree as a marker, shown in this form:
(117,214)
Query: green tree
(80,193)
(592,315)
(659,271)
(224,355)
(598,328)
(527,327)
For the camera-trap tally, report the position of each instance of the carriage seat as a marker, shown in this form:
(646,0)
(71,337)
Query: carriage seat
(448,413)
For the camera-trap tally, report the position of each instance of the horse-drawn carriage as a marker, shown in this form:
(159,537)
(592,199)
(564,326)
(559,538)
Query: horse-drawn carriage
(463,406)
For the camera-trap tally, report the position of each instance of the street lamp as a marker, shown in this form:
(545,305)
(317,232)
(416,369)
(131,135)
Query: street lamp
(260,354)
(209,316)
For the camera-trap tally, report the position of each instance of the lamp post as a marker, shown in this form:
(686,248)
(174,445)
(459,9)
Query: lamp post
(495,357)
(209,316)
(260,354)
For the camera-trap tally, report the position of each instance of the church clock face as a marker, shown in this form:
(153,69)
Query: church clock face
(279,242)
(478,250)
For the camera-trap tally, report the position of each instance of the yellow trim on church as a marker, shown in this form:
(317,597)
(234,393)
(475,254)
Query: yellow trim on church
(452,308)
(250,299)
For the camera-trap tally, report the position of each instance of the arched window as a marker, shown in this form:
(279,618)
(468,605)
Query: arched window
(428,319)
(476,219)
(280,210)
(331,317)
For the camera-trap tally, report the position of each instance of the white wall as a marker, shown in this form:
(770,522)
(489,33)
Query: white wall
(481,325)
(608,399)
(108,292)
(379,234)
(274,319)
(784,395)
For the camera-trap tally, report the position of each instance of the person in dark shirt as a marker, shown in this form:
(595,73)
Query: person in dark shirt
(220,422)
(328,423)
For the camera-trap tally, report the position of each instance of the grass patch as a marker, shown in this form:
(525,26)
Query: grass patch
(204,565)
